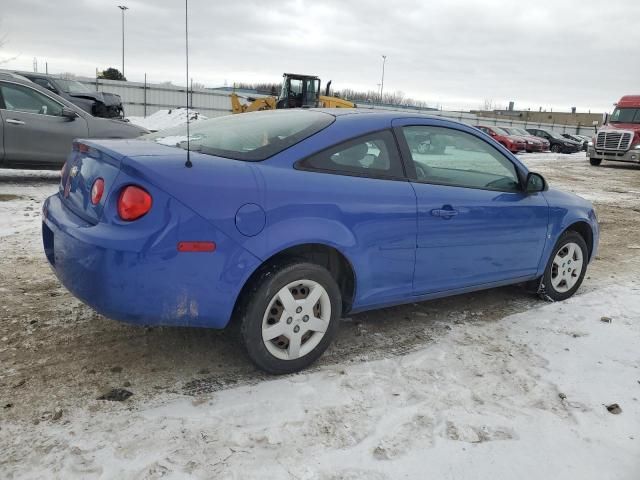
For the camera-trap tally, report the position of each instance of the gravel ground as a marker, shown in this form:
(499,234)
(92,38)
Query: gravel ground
(58,355)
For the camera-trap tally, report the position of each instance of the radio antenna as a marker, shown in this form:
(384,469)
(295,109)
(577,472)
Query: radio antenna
(188,163)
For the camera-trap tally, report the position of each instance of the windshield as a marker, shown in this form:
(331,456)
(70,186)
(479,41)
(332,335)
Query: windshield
(500,131)
(625,115)
(248,136)
(72,86)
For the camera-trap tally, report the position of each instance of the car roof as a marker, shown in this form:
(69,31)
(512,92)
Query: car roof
(379,114)
(34,75)
(13,76)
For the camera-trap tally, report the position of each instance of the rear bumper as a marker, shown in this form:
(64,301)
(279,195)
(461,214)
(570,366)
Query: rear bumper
(631,156)
(153,284)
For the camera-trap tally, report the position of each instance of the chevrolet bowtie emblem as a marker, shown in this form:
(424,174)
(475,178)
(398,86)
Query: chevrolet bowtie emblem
(74,171)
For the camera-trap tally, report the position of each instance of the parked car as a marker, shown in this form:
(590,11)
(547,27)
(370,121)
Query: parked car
(578,138)
(558,143)
(282,222)
(532,143)
(37,127)
(512,143)
(98,104)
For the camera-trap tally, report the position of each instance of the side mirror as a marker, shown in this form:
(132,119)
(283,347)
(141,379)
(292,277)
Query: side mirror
(68,113)
(535,183)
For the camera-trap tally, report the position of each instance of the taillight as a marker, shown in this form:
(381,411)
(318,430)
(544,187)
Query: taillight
(133,203)
(97,190)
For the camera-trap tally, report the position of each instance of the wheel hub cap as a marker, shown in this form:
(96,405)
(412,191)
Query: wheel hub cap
(566,267)
(296,319)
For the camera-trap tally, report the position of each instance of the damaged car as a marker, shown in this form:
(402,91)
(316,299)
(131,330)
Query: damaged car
(98,104)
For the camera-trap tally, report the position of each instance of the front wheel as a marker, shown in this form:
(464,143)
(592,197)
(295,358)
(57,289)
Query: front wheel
(555,148)
(595,161)
(566,268)
(290,317)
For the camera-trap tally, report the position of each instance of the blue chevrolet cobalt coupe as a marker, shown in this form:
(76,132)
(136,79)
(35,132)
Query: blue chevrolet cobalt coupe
(282,222)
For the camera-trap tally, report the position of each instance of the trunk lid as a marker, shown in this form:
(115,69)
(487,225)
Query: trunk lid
(84,166)
(214,188)
(93,159)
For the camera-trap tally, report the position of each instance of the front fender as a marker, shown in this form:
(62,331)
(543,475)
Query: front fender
(566,210)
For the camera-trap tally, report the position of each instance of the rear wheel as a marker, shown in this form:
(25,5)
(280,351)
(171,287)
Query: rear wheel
(595,161)
(555,148)
(290,317)
(566,268)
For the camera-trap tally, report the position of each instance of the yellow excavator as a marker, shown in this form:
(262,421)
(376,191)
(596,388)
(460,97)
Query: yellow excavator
(298,91)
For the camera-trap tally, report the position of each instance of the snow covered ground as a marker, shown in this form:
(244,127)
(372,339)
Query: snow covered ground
(164,119)
(452,389)
(522,397)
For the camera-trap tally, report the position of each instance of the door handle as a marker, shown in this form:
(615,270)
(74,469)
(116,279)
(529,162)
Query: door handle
(444,213)
(13,121)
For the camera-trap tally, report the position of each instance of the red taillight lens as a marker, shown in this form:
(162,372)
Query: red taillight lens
(133,203)
(97,190)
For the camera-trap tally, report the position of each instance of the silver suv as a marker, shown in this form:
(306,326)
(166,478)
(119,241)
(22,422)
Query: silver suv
(37,127)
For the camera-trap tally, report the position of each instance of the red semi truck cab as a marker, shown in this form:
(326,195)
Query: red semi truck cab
(619,138)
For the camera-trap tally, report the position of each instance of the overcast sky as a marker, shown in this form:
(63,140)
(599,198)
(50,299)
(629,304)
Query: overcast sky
(455,53)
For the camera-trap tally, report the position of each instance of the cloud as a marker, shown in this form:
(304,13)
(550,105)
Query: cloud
(456,53)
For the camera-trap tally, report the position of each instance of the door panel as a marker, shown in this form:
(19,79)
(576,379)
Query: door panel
(42,139)
(475,224)
(492,236)
(34,130)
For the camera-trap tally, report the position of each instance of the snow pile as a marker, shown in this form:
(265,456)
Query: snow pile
(164,119)
(523,397)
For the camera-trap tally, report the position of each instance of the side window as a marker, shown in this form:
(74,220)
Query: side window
(19,98)
(373,155)
(451,157)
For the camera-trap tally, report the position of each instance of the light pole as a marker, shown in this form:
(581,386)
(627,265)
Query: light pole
(123,8)
(384,60)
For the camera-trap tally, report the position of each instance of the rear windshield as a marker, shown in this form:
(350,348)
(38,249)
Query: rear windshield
(246,136)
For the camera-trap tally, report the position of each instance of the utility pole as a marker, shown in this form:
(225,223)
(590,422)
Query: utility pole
(384,60)
(123,8)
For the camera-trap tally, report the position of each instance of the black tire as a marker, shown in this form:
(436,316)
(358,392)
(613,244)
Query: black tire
(547,289)
(555,148)
(258,298)
(595,161)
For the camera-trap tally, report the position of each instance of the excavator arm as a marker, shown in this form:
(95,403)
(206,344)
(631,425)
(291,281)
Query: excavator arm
(266,103)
